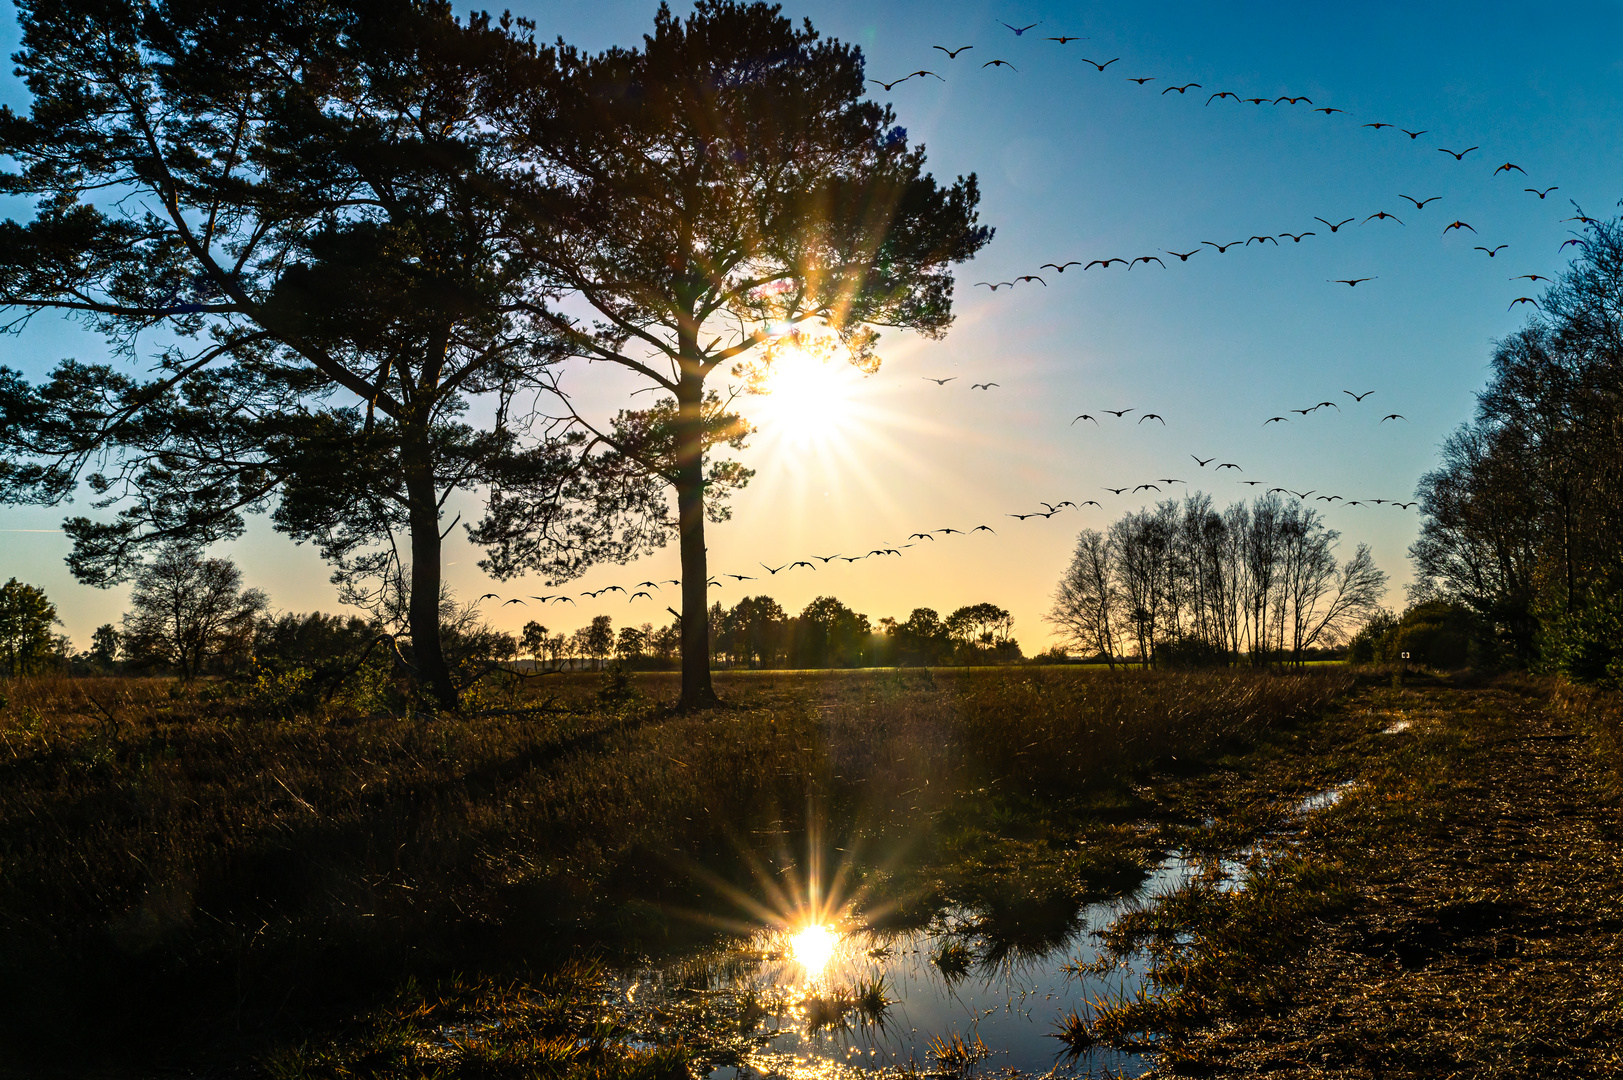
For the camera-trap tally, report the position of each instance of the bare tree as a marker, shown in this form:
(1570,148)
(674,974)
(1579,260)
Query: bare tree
(186,609)
(1087,603)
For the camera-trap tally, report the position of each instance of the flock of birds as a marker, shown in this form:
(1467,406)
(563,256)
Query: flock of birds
(1380,218)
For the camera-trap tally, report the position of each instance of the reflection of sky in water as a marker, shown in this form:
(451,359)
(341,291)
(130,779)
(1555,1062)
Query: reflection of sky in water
(1011,997)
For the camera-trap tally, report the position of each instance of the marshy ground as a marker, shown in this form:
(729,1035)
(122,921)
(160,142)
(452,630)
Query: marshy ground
(199,883)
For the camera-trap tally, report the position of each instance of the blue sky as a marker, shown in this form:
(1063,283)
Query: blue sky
(1075,163)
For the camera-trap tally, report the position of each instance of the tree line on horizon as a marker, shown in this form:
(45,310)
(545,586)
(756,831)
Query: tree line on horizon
(1184,583)
(1520,542)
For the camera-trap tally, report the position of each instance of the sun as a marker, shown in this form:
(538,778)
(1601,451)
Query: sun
(807,394)
(813,947)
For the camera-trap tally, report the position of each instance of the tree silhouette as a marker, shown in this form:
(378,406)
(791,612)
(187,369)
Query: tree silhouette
(186,609)
(719,186)
(292,212)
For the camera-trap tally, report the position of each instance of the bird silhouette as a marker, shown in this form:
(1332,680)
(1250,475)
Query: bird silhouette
(1381,215)
(1222,94)
(914,536)
(801,563)
(516,600)
(566,600)
(1302,494)
(1412,134)
(1251,483)
(1327,112)
(1145,487)
(1067,39)
(1393,416)
(1459,156)
(770,570)
(984,528)
(1530,277)
(1171,480)
(1236,468)
(1152,416)
(1115,491)
(1297,237)
(1032,277)
(1540,194)
(488,596)
(1105,263)
(826,559)
(1524,300)
(895,82)
(738,577)
(1060,267)
(1349,282)
(1569,243)
(952,54)
(1019,30)
(1255,100)
(1358,397)
(1183,256)
(1022,517)
(1201,463)
(999,63)
(1183,88)
(638,593)
(1331,404)
(982,385)
(1337,225)
(1098,65)
(1263,240)
(1272,490)
(1377,502)
(1141,80)
(1507,166)
(1456,225)
(1146,259)
(1493,250)
(1117,413)
(1085,416)
(1404,505)
(647,584)
(1276,420)
(1293,100)
(1303,412)
(940,382)
(1221,248)
(1090,502)
(997,286)
(949,532)
(1419,204)
(853,558)
(1377,126)
(1582,218)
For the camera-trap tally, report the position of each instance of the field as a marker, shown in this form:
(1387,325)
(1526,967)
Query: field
(198,882)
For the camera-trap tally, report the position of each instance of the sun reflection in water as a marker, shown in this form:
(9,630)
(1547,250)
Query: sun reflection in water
(812,948)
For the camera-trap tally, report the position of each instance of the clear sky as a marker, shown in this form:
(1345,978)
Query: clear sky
(1079,164)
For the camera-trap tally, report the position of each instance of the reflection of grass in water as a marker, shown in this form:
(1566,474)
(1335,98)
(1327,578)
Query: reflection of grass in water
(1074,1033)
(952,958)
(868,1000)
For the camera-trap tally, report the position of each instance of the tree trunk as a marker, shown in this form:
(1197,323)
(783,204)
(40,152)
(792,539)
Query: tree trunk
(423,610)
(697,691)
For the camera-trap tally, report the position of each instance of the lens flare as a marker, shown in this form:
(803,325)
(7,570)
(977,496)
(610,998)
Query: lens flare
(812,948)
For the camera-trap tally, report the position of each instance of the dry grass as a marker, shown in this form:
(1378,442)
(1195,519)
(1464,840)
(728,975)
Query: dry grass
(178,865)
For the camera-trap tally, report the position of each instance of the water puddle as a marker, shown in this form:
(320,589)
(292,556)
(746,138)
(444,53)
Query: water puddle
(1323,800)
(1398,727)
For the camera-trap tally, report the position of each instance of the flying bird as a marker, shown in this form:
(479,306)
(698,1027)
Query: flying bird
(1459,156)
(1297,237)
(515,600)
(960,532)
(982,385)
(1524,300)
(1201,463)
(1358,397)
(1117,413)
(1272,490)
(1493,250)
(1183,88)
(1019,30)
(896,82)
(738,577)
(1377,126)
(1143,487)
(1331,404)
(1066,40)
(1530,277)
(984,528)
(1404,505)
(999,63)
(952,54)
(634,595)
(1569,243)
(1419,204)
(1090,502)
(1221,248)
(1183,256)
(1022,517)
(1337,225)
(914,536)
(1456,225)
(1393,416)
(1263,240)
(1327,112)
(1350,282)
(1582,218)
(1085,416)
(1294,100)
(1251,483)
(1115,491)
(1098,65)
(1381,215)
(1060,267)
(1302,494)
(997,286)
(1146,259)
(771,571)
(1255,100)
(1169,480)
(1032,277)
(1540,194)
(1507,166)
(1304,412)
(1141,80)
(1412,134)
(488,596)
(1222,94)
(1236,468)
(1152,416)
(940,382)
(1104,263)
(801,563)
(1276,420)
(826,559)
